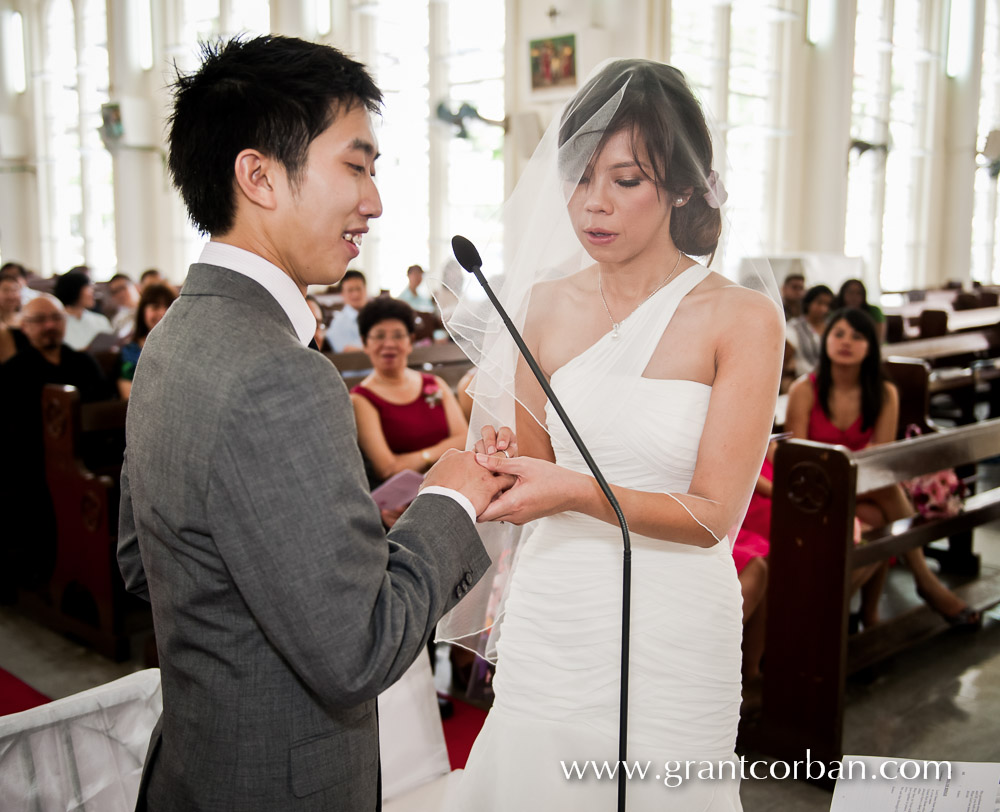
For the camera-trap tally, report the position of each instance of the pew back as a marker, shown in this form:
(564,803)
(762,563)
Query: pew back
(85,595)
(812,555)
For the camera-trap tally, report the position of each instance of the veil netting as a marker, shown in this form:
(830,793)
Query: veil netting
(536,242)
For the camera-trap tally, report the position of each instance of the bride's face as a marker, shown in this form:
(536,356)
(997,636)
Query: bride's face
(615,209)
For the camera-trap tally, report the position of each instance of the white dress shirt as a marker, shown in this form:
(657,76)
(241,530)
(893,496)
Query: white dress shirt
(344,330)
(287,294)
(81,331)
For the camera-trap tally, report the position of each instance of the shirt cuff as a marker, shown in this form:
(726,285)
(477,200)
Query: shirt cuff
(461,498)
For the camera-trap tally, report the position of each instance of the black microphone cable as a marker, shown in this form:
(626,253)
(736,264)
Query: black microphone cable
(468,257)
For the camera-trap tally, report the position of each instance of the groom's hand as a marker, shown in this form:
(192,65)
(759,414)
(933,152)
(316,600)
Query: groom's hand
(542,489)
(459,471)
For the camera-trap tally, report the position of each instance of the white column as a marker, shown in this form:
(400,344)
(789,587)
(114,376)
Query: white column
(957,191)
(827,129)
(142,236)
(293,18)
(19,240)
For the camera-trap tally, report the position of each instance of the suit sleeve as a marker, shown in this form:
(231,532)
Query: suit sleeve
(348,608)
(129,559)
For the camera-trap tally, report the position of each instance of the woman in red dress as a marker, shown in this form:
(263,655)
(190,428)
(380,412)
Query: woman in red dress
(406,419)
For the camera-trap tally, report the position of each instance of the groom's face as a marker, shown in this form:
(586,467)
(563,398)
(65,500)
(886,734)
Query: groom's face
(323,215)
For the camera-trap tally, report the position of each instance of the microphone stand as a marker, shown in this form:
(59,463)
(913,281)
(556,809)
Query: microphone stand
(468,257)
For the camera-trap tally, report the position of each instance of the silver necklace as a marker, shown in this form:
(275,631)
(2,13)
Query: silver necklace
(616,325)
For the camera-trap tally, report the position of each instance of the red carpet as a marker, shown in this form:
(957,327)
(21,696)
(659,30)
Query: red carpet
(17,696)
(460,731)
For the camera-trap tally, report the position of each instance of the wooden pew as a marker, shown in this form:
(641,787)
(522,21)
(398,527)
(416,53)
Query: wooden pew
(950,346)
(445,360)
(963,363)
(808,652)
(85,596)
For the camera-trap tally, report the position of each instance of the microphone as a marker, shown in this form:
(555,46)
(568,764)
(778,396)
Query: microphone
(468,257)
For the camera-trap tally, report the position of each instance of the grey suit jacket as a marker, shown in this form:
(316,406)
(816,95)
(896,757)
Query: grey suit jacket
(281,609)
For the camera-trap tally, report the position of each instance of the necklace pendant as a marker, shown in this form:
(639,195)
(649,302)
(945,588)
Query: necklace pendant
(614,330)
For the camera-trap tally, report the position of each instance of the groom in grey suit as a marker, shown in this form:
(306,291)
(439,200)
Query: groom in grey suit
(280,606)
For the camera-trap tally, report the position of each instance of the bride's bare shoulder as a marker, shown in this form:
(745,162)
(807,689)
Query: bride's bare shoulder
(737,306)
(562,291)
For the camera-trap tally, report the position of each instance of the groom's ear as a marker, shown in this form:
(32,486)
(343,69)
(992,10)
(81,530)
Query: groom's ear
(258,178)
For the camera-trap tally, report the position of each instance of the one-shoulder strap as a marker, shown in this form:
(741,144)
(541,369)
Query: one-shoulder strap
(640,333)
(602,378)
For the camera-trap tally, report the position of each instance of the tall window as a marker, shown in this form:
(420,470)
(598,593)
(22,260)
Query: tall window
(891,136)
(401,69)
(435,178)
(474,56)
(60,164)
(985,224)
(78,187)
(732,57)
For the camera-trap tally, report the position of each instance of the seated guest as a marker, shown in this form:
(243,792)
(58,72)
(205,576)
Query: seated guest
(406,419)
(320,336)
(853,293)
(15,270)
(462,390)
(10,301)
(151,277)
(153,304)
(413,294)
(792,291)
(46,359)
(805,332)
(750,552)
(343,334)
(846,401)
(125,296)
(12,340)
(76,292)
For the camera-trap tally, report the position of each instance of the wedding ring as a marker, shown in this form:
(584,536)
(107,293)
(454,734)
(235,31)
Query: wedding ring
(504,451)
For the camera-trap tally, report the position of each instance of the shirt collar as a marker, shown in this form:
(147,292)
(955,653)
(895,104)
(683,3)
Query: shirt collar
(270,277)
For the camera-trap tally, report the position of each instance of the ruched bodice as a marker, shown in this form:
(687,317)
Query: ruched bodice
(652,445)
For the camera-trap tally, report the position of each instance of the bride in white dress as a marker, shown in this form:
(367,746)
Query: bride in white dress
(670,373)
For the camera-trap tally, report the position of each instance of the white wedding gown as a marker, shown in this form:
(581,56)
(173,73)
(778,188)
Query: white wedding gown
(557,678)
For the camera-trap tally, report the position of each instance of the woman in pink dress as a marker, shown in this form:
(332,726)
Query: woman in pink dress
(846,401)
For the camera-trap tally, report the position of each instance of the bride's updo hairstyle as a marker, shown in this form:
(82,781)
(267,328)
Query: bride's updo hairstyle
(653,102)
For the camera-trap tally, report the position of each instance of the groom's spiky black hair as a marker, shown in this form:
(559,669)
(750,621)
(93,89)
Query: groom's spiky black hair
(270,93)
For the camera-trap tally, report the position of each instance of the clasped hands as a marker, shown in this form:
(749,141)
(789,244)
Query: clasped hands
(540,488)
(505,487)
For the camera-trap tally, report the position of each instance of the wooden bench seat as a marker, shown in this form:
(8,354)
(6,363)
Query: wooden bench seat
(808,653)
(86,596)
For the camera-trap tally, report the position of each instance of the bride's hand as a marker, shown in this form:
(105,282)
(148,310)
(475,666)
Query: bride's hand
(541,488)
(495,441)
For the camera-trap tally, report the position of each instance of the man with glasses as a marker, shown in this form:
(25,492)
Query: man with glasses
(29,546)
(47,359)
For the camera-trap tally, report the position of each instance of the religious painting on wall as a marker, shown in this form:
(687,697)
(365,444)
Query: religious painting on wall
(553,62)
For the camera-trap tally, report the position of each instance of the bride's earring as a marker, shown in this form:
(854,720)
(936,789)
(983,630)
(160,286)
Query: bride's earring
(679,201)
